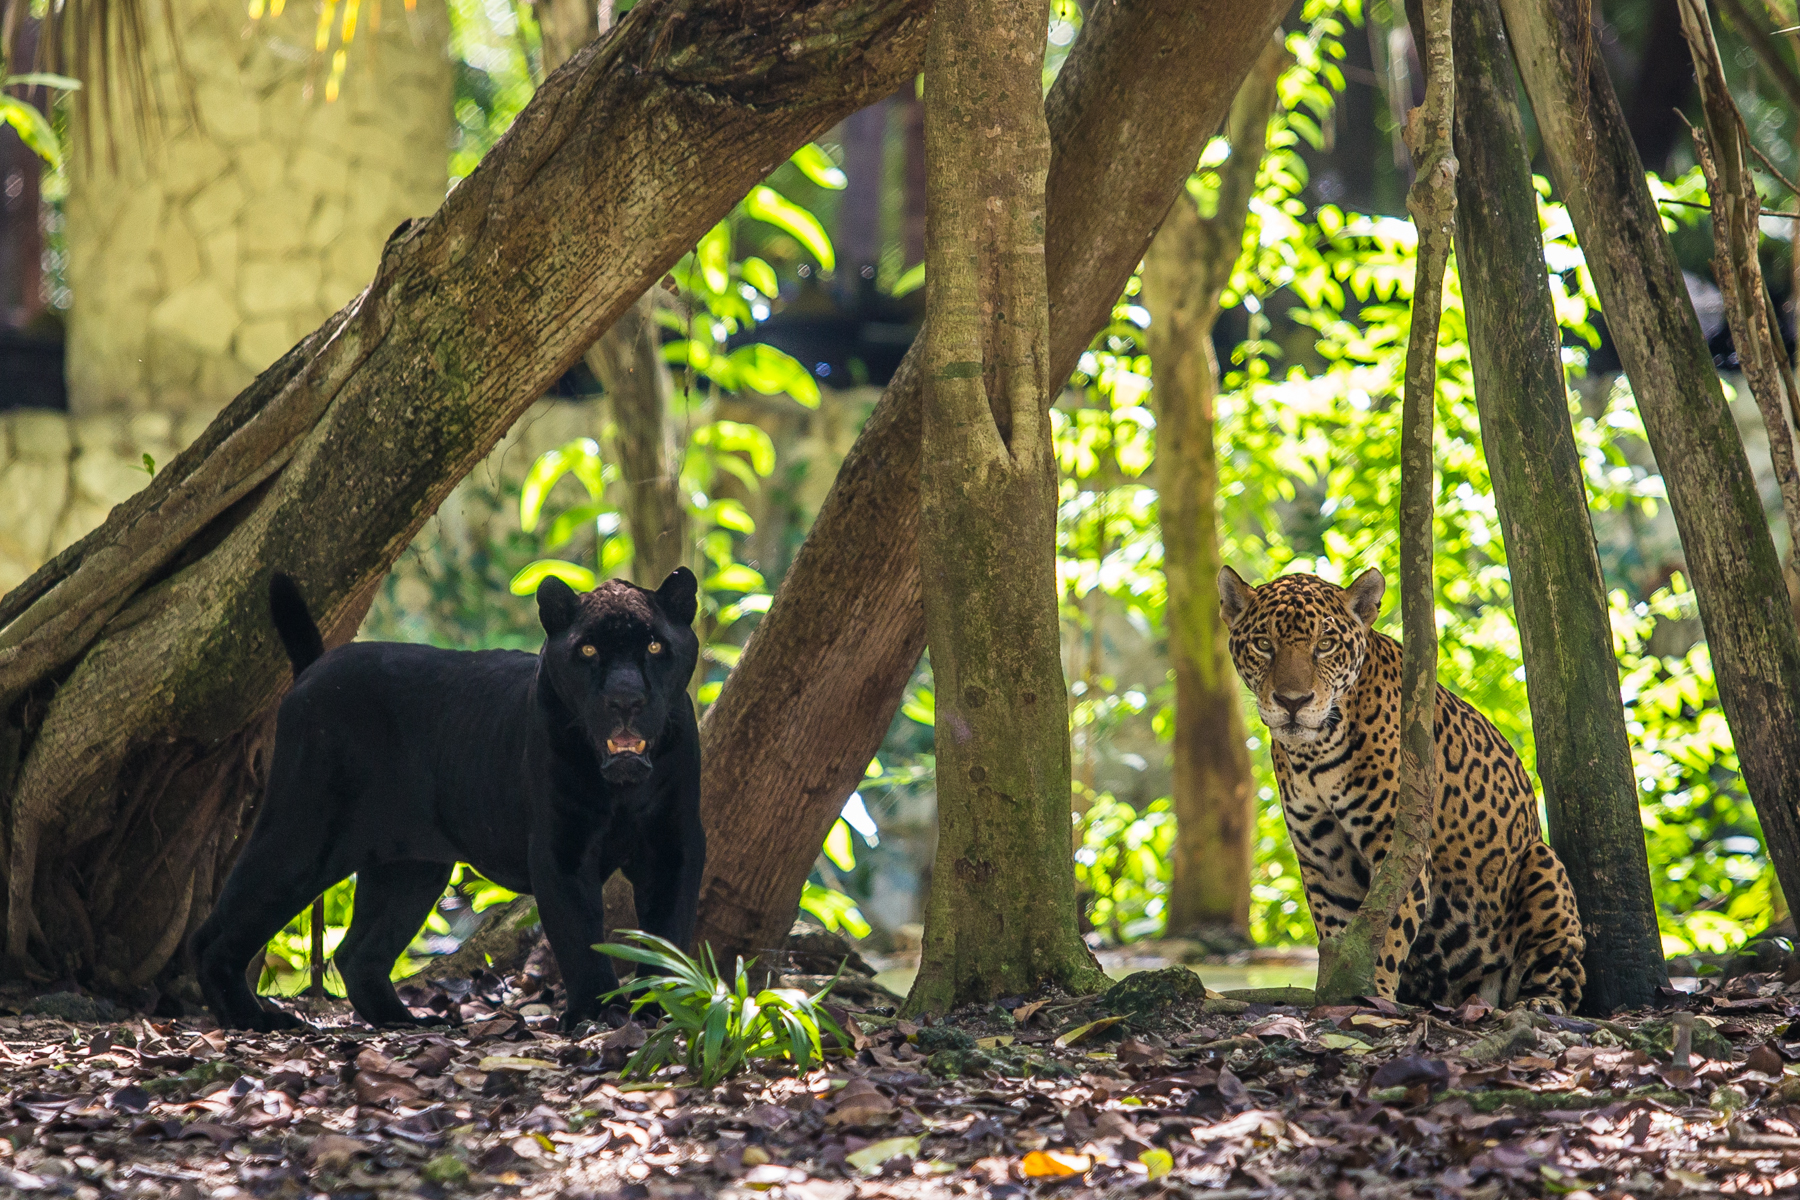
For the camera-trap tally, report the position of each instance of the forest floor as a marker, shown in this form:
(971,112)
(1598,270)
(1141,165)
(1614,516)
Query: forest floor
(1138,1093)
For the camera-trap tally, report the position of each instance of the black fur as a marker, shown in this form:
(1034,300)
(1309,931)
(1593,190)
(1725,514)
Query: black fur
(545,772)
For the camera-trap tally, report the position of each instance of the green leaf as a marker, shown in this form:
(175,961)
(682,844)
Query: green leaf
(921,706)
(772,372)
(714,256)
(33,129)
(834,910)
(869,1159)
(764,203)
(911,281)
(735,578)
(552,465)
(571,520)
(817,166)
(41,79)
(761,276)
(525,583)
(838,847)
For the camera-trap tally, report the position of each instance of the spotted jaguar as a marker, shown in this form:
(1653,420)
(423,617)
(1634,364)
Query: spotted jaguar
(1493,913)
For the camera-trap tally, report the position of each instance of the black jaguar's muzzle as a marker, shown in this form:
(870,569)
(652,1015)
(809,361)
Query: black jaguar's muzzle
(626,762)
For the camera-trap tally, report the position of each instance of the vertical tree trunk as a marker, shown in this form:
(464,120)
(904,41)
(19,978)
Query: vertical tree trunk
(808,704)
(1559,597)
(1001,915)
(1724,534)
(1347,962)
(640,394)
(1188,266)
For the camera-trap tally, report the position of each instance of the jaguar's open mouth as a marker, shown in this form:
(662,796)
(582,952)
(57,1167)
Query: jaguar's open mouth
(625,743)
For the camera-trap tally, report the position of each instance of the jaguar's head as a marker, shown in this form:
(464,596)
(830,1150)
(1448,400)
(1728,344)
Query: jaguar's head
(1299,644)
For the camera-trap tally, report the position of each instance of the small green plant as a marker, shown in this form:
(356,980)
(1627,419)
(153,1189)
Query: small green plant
(714,1027)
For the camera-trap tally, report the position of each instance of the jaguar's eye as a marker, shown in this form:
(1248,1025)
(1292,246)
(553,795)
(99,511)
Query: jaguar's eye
(589,650)
(1326,646)
(1264,645)
(656,647)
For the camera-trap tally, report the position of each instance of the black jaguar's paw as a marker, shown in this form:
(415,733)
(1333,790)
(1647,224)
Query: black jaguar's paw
(274,1020)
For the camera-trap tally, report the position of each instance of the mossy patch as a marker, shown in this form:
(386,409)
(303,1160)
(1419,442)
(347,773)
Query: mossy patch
(1152,991)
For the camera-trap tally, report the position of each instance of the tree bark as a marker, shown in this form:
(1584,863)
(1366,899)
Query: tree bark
(640,392)
(1737,234)
(1559,597)
(1001,915)
(1187,269)
(138,668)
(1725,537)
(1348,962)
(818,685)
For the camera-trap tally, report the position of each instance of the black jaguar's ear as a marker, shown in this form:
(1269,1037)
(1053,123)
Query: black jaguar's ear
(1234,595)
(679,596)
(1365,592)
(556,605)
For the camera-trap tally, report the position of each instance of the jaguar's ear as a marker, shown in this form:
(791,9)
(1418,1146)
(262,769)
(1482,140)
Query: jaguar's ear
(679,596)
(556,605)
(1365,592)
(1234,595)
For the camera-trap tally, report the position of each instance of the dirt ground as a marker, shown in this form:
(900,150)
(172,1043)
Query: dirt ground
(1144,1092)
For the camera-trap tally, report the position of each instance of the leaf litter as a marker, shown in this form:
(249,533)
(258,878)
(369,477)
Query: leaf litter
(1032,1095)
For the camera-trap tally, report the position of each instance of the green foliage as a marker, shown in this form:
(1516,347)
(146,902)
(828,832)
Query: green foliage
(715,1027)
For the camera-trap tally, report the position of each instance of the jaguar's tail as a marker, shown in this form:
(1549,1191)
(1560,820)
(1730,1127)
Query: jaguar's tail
(299,634)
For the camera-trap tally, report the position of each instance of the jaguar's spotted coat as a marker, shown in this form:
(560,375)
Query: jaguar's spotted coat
(1493,912)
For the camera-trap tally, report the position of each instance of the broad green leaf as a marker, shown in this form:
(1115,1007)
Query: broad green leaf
(772,372)
(921,706)
(761,276)
(838,847)
(750,440)
(764,203)
(1081,1032)
(714,256)
(817,166)
(32,129)
(551,466)
(526,582)
(834,910)
(911,281)
(570,521)
(735,578)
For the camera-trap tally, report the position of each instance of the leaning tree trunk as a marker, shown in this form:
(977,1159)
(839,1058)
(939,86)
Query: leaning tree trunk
(1348,961)
(1001,915)
(137,669)
(806,708)
(1724,535)
(1184,274)
(1521,392)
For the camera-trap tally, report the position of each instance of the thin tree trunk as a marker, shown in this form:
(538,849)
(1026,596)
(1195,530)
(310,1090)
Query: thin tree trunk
(640,393)
(808,704)
(1347,962)
(139,666)
(1559,597)
(1184,274)
(1737,233)
(1001,915)
(1724,534)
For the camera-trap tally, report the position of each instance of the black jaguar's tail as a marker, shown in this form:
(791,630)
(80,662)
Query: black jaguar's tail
(299,635)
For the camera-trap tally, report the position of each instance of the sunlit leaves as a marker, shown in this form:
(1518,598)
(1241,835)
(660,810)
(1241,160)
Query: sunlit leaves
(526,582)
(33,129)
(764,203)
(817,166)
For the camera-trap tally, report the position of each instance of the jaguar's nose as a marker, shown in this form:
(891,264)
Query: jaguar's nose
(1293,703)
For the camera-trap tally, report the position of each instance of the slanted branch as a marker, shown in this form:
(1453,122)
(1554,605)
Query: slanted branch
(1349,961)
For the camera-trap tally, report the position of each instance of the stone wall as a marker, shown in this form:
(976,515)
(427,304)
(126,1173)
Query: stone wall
(255,213)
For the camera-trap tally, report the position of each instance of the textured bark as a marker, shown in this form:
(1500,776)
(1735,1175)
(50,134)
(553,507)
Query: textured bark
(1559,596)
(1001,916)
(818,685)
(146,646)
(1737,232)
(1187,268)
(639,392)
(1724,535)
(1347,962)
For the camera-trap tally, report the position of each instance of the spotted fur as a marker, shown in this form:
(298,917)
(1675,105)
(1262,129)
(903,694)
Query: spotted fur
(1493,912)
